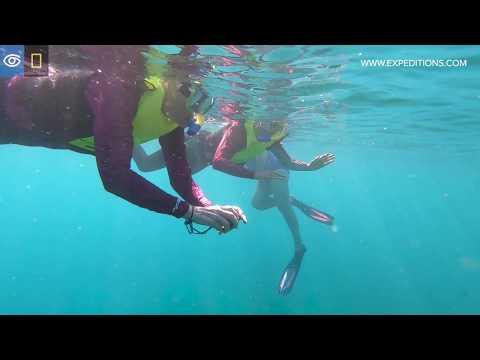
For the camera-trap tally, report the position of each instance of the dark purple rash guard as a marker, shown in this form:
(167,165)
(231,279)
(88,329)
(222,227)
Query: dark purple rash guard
(112,94)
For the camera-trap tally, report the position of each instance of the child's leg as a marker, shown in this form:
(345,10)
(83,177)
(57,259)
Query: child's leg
(281,195)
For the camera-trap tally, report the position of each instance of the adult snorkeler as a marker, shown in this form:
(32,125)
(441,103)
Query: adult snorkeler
(98,99)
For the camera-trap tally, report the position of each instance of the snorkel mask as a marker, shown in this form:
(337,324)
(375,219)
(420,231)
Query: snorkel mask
(198,102)
(266,136)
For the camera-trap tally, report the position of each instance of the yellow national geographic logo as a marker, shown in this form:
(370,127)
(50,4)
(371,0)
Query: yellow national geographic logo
(36,60)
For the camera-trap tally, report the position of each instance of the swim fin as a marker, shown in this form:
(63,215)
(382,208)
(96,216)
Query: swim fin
(312,213)
(290,274)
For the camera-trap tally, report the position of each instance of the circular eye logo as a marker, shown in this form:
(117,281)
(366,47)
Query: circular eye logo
(12,60)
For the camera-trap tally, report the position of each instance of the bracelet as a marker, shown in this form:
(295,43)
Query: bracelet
(177,204)
(191,215)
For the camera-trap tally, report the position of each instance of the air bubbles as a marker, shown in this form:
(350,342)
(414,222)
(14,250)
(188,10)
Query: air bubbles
(334,228)
(79,228)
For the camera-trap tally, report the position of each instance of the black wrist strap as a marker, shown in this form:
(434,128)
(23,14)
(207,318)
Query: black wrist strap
(191,229)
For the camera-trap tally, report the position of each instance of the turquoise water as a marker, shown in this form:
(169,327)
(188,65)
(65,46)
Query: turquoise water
(403,190)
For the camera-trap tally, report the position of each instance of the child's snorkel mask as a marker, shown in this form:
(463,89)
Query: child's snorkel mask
(280,131)
(198,102)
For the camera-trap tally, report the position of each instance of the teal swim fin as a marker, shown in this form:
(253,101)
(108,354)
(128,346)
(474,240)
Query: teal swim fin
(312,213)
(290,273)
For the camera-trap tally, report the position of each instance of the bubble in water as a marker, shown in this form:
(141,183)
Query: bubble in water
(35,220)
(445,195)
(79,228)
(28,187)
(334,228)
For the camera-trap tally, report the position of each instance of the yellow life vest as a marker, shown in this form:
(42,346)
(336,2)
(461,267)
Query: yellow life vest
(255,147)
(150,122)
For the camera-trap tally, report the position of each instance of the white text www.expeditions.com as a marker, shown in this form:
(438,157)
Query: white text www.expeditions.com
(414,63)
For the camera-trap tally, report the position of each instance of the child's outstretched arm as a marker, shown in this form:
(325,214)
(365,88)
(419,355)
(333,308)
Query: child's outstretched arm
(297,165)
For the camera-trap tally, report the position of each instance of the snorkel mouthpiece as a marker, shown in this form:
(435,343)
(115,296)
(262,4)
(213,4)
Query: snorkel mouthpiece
(195,124)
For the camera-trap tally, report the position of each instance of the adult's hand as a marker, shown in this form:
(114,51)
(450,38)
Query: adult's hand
(222,218)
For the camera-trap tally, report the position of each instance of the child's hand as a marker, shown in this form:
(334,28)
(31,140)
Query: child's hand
(321,161)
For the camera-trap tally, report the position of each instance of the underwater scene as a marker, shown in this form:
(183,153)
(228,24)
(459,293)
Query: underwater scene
(241,180)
